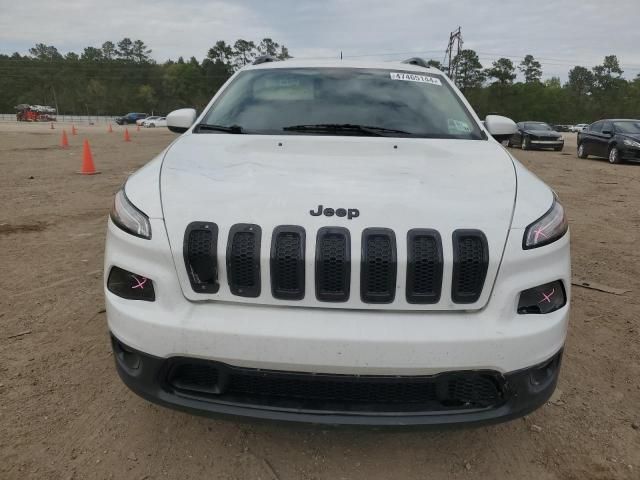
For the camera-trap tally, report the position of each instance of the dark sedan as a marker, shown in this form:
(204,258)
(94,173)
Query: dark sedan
(617,140)
(536,135)
(130,118)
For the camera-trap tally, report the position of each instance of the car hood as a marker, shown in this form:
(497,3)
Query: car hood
(543,133)
(399,184)
(632,136)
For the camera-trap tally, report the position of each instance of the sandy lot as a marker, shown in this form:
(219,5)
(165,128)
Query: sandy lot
(64,414)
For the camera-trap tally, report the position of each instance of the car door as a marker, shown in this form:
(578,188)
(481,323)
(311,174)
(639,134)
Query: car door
(589,138)
(516,140)
(604,138)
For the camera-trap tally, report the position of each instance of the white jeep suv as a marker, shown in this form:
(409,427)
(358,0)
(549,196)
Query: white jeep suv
(341,243)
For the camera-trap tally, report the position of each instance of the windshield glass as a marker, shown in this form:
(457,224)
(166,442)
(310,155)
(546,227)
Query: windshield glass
(386,102)
(537,126)
(627,127)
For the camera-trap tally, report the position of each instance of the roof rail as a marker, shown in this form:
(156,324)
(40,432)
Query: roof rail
(264,59)
(417,61)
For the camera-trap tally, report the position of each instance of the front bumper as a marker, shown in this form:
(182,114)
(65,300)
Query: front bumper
(369,400)
(547,143)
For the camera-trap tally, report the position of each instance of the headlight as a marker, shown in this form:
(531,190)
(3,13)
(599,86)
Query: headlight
(631,143)
(547,229)
(126,216)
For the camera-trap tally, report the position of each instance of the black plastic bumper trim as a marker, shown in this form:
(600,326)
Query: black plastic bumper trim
(528,389)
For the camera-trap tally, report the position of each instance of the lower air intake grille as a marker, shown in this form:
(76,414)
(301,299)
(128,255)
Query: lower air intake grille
(243,260)
(424,266)
(470,263)
(333,264)
(290,390)
(200,256)
(287,263)
(378,270)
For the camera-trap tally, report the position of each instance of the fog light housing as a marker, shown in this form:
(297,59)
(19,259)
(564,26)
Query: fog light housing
(542,299)
(130,285)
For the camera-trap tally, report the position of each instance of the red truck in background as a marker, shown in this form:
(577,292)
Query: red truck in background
(35,113)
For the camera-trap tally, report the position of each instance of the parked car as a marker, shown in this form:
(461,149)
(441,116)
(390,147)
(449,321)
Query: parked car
(303,253)
(562,128)
(579,127)
(536,135)
(615,139)
(130,118)
(155,122)
(144,121)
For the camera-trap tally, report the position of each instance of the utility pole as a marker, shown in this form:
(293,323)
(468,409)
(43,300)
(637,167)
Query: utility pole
(453,49)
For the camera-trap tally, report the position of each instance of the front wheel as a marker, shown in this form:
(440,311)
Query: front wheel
(526,143)
(614,155)
(152,125)
(582,153)
(558,149)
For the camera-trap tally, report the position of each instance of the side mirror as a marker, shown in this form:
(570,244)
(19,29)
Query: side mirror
(501,128)
(179,121)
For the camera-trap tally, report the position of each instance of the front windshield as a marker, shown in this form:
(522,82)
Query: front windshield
(537,126)
(628,127)
(394,103)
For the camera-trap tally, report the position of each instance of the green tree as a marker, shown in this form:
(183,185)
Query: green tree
(468,69)
(140,52)
(91,54)
(268,47)
(607,75)
(109,51)
(244,52)
(45,52)
(125,49)
(531,69)
(581,81)
(503,71)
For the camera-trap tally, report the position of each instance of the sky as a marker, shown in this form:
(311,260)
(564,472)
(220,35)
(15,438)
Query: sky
(559,33)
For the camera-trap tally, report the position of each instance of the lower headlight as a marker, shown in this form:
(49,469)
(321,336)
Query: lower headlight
(126,216)
(545,298)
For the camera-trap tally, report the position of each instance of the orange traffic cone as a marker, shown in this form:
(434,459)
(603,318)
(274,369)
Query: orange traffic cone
(137,128)
(64,141)
(110,129)
(73,130)
(52,126)
(127,138)
(88,168)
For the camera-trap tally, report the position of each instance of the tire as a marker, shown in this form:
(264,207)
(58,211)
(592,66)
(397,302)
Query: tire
(581,151)
(152,125)
(558,149)
(614,156)
(509,144)
(525,145)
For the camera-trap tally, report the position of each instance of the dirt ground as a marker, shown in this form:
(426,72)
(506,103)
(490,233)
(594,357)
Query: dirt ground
(64,413)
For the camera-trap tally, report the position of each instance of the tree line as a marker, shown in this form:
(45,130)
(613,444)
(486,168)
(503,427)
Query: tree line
(116,78)
(121,77)
(588,94)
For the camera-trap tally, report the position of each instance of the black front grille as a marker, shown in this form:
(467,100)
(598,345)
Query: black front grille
(200,256)
(333,264)
(455,390)
(378,267)
(287,263)
(424,266)
(470,263)
(243,260)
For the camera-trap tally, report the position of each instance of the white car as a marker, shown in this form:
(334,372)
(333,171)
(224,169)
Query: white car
(579,127)
(154,121)
(342,243)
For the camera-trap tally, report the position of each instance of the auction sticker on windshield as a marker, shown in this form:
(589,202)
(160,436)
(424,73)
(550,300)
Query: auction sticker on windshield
(412,77)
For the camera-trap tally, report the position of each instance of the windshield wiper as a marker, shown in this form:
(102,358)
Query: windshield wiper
(345,127)
(218,128)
